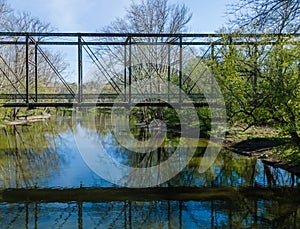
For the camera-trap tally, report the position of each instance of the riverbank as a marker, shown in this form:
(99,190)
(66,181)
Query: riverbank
(265,143)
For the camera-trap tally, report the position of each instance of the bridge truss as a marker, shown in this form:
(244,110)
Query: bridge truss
(118,65)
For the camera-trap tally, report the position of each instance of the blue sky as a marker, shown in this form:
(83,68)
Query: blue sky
(92,15)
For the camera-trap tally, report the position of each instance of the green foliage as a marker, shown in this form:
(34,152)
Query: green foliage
(288,152)
(261,84)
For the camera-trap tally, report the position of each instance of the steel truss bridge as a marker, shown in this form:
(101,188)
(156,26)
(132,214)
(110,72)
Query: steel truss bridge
(118,62)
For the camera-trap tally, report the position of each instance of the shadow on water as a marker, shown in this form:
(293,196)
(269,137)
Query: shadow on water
(46,184)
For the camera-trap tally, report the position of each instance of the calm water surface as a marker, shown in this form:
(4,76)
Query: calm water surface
(44,155)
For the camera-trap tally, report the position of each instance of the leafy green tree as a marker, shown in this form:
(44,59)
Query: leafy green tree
(284,83)
(261,85)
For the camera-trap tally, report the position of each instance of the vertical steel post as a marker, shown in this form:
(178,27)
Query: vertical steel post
(27,70)
(129,68)
(230,46)
(169,70)
(125,69)
(180,68)
(36,71)
(211,81)
(79,92)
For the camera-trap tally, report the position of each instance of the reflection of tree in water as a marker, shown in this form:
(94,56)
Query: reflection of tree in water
(28,154)
(102,127)
(229,169)
(32,155)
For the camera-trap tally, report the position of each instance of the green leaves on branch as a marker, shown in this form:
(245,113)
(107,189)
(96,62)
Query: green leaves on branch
(261,84)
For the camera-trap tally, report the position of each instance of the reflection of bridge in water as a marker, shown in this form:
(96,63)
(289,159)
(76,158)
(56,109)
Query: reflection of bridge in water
(120,59)
(157,207)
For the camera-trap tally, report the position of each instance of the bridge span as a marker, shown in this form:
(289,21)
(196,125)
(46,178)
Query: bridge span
(31,74)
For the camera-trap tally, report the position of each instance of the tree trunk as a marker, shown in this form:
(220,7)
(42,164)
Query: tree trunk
(295,137)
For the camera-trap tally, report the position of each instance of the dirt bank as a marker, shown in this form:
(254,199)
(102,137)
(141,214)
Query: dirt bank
(263,143)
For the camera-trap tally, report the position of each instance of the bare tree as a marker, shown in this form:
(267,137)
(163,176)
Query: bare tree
(4,10)
(274,16)
(152,16)
(13,57)
(153,59)
(149,59)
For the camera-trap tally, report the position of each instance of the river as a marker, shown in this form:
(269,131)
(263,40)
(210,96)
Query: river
(45,182)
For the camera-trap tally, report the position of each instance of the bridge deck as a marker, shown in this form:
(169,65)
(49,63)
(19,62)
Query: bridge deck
(99,96)
(102,104)
(108,100)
